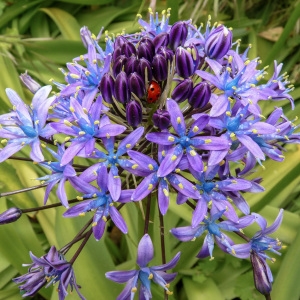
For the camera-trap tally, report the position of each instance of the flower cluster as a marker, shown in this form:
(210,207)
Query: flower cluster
(48,269)
(167,110)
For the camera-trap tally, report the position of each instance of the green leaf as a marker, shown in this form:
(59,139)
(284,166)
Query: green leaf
(101,17)
(66,23)
(276,176)
(56,51)
(17,239)
(18,8)
(10,79)
(201,291)
(87,2)
(286,284)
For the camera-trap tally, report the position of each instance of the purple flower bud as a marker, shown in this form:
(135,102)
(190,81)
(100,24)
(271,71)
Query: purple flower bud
(136,84)
(86,37)
(131,65)
(120,41)
(178,34)
(128,49)
(218,42)
(183,90)
(107,87)
(116,54)
(161,119)
(167,53)
(262,280)
(160,67)
(31,84)
(10,215)
(119,63)
(195,55)
(184,62)
(134,113)
(161,40)
(146,49)
(122,91)
(144,65)
(200,95)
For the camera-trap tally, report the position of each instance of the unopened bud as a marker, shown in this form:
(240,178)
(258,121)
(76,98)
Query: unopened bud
(260,273)
(218,42)
(146,49)
(183,90)
(200,96)
(107,87)
(161,119)
(134,113)
(160,67)
(136,84)
(178,34)
(31,84)
(122,92)
(161,40)
(10,215)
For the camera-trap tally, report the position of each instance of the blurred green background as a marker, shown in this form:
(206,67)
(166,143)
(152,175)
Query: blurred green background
(39,37)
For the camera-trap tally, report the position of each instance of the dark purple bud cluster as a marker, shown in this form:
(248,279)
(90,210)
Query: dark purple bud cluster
(198,96)
(136,63)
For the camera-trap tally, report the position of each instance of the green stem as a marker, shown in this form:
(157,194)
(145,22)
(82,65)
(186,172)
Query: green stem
(78,251)
(23,190)
(147,216)
(79,236)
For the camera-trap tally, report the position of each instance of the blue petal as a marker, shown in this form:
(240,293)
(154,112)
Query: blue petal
(177,118)
(145,251)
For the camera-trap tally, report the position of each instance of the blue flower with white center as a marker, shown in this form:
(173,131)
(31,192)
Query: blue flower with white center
(26,124)
(188,141)
(101,202)
(215,192)
(147,167)
(190,233)
(237,80)
(60,174)
(113,159)
(86,127)
(145,275)
(243,129)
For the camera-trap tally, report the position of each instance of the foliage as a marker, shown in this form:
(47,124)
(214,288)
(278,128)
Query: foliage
(39,37)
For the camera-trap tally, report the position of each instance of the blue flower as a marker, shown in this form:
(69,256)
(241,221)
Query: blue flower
(156,26)
(237,80)
(189,233)
(187,141)
(147,167)
(49,269)
(101,202)
(112,159)
(25,125)
(86,127)
(145,274)
(60,174)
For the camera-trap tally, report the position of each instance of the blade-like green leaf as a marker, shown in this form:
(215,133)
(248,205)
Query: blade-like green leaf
(201,291)
(66,23)
(19,7)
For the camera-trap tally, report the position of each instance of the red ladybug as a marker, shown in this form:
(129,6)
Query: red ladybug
(154,92)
